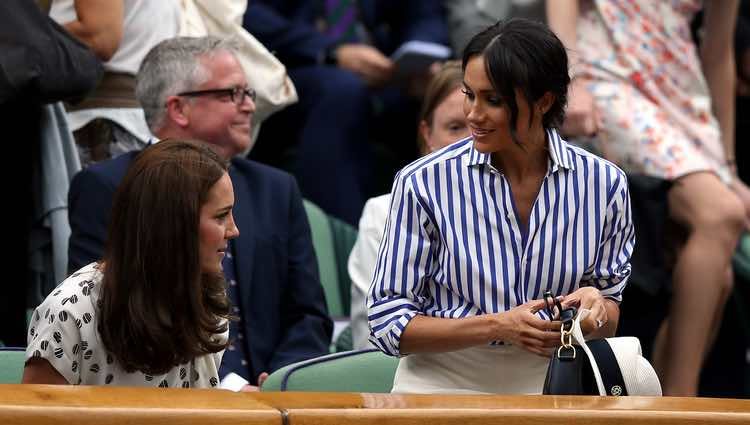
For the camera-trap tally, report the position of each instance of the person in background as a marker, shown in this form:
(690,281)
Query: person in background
(441,122)
(465,18)
(338,56)
(154,311)
(195,88)
(646,98)
(478,231)
(109,121)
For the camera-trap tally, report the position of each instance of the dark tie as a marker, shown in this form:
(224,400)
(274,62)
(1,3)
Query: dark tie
(341,20)
(235,356)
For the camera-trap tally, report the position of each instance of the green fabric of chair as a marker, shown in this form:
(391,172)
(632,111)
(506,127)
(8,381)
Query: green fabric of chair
(12,361)
(333,240)
(362,371)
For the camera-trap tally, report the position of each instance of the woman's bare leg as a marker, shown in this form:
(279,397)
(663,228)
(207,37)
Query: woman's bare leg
(714,217)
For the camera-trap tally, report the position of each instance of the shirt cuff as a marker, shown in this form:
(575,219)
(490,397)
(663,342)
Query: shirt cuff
(233,382)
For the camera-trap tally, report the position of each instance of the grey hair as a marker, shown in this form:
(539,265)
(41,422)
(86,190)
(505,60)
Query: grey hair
(173,66)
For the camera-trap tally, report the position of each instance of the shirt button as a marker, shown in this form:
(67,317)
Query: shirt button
(232,282)
(236,309)
(243,362)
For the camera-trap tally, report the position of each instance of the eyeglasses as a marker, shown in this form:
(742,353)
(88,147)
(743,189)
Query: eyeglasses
(237,94)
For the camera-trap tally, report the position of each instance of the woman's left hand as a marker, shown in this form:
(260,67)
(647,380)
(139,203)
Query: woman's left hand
(591,299)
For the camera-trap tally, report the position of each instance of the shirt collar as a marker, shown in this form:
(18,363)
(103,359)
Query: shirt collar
(558,149)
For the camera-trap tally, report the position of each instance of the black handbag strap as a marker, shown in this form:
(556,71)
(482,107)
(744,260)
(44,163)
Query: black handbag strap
(609,369)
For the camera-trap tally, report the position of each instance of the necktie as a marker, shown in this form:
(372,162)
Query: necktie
(341,20)
(235,357)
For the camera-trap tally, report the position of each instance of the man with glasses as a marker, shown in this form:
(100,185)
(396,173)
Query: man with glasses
(195,88)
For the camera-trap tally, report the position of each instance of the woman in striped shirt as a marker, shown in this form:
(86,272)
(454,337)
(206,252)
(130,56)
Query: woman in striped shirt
(479,230)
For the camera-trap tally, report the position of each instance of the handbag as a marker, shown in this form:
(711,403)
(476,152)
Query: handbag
(606,367)
(264,73)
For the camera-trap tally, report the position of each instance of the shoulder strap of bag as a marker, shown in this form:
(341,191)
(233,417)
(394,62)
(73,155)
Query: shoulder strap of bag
(581,341)
(608,368)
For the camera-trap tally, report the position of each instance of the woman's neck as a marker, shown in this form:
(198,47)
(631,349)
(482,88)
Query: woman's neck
(529,159)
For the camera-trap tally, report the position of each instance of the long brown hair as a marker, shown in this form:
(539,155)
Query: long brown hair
(157,309)
(442,84)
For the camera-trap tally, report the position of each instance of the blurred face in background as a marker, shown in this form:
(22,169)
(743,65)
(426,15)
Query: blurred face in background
(448,123)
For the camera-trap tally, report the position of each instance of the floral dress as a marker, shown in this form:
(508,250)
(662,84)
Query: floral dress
(648,85)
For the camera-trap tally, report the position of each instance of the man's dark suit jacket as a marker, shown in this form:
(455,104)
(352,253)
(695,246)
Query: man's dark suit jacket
(282,302)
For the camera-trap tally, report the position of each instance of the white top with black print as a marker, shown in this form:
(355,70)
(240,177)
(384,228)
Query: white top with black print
(63,331)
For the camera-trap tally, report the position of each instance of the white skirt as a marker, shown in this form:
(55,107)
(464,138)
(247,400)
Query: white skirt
(502,369)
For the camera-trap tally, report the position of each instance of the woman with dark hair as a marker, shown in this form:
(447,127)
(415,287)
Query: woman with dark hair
(478,231)
(154,312)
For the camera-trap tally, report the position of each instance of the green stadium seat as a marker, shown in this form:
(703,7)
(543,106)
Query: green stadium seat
(363,371)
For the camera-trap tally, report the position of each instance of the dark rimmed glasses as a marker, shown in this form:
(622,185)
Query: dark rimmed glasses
(237,94)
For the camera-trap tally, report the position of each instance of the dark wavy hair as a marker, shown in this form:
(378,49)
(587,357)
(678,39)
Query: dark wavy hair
(525,55)
(157,309)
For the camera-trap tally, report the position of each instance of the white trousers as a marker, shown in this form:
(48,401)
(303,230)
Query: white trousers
(500,369)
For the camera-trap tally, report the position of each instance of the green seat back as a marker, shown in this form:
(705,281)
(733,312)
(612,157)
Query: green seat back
(333,240)
(12,361)
(741,259)
(363,371)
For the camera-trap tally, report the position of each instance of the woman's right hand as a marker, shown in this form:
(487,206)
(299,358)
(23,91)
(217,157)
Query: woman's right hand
(581,115)
(521,326)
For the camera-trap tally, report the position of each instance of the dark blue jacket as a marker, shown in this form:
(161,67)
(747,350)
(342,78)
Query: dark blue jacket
(282,302)
(288,27)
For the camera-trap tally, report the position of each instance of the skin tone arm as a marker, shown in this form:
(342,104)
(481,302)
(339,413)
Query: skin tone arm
(518,326)
(581,117)
(717,58)
(40,371)
(365,61)
(99,25)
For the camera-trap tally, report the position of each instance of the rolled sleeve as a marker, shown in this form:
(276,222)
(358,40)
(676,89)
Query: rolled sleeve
(612,267)
(403,262)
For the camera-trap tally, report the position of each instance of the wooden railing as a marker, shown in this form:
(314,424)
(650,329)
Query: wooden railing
(43,404)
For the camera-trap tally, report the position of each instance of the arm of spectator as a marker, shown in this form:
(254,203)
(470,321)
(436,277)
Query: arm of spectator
(717,58)
(89,207)
(366,61)
(99,25)
(602,284)
(306,326)
(361,267)
(581,116)
(294,43)
(40,371)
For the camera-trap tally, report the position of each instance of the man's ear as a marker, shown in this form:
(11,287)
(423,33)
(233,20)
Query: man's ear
(178,111)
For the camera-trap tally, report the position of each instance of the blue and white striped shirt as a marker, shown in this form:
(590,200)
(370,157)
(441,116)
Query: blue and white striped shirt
(453,246)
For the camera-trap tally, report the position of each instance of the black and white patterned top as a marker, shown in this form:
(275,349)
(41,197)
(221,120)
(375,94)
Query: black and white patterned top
(63,331)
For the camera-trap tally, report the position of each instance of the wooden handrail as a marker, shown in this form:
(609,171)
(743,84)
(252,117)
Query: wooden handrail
(46,404)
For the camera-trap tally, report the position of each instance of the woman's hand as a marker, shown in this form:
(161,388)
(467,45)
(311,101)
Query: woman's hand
(581,115)
(521,327)
(591,299)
